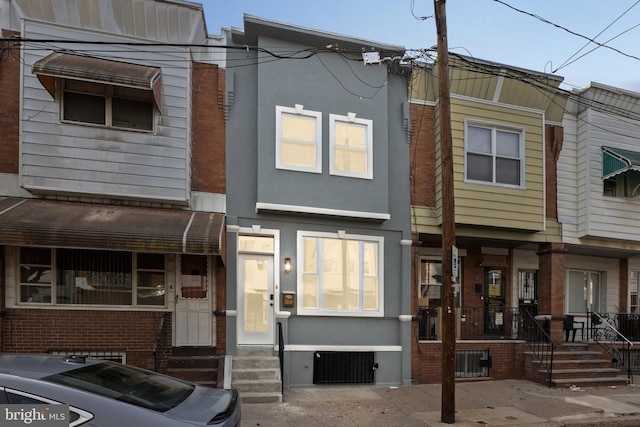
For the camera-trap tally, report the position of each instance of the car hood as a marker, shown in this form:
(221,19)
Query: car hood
(202,405)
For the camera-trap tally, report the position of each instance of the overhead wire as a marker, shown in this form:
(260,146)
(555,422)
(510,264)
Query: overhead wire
(565,63)
(546,21)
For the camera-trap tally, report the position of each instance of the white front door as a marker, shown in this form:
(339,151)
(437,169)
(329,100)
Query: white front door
(193,303)
(255,300)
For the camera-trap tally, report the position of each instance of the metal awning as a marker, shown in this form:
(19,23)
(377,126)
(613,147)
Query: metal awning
(90,69)
(616,161)
(38,222)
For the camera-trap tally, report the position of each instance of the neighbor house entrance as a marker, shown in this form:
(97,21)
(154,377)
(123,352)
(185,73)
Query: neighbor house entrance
(193,302)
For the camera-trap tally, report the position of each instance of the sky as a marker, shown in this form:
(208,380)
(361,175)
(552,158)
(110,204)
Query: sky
(491,30)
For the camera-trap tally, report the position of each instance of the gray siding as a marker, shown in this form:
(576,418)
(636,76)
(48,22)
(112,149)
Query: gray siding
(89,160)
(347,88)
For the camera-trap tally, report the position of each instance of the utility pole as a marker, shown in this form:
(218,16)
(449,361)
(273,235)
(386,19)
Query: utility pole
(448,403)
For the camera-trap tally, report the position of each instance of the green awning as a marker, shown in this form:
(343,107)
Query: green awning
(616,161)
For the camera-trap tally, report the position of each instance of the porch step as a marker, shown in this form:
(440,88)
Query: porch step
(200,368)
(574,364)
(257,378)
(590,382)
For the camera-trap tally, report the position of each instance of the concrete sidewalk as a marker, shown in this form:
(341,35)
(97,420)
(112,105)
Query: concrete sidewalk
(489,403)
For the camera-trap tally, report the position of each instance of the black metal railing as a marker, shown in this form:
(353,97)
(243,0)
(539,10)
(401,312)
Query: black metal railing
(160,346)
(475,323)
(490,323)
(535,332)
(603,330)
(281,357)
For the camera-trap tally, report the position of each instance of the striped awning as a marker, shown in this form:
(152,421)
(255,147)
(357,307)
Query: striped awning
(616,161)
(97,70)
(38,222)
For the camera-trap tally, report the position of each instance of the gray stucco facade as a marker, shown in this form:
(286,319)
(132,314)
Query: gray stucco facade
(292,67)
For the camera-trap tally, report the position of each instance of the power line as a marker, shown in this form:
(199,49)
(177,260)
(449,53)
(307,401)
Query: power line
(546,21)
(565,63)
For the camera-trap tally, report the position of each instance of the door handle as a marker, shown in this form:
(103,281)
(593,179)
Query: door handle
(271,299)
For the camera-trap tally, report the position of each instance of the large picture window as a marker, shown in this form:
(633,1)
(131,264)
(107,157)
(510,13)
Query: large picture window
(494,155)
(89,277)
(298,139)
(340,275)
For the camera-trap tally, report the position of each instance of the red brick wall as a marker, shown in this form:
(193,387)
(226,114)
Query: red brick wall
(9,105)
(208,160)
(507,359)
(551,285)
(623,297)
(38,331)
(422,156)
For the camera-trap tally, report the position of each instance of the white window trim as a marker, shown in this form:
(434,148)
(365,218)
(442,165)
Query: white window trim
(299,110)
(350,118)
(493,127)
(341,313)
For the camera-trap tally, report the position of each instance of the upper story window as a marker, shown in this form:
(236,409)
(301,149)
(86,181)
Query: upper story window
(110,106)
(351,141)
(298,139)
(88,277)
(340,274)
(102,92)
(494,155)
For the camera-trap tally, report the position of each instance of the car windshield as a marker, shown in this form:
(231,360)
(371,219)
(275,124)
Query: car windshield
(128,384)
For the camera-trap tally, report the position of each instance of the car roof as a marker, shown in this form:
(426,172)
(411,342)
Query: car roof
(41,365)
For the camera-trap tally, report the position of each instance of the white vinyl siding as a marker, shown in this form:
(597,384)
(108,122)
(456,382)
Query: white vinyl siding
(583,208)
(58,156)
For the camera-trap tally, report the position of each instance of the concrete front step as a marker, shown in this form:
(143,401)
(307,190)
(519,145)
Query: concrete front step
(256,362)
(258,386)
(254,374)
(257,378)
(583,373)
(589,382)
(250,397)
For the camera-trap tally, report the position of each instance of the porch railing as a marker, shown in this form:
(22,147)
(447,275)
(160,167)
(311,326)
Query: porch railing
(536,334)
(281,357)
(160,346)
(474,323)
(603,329)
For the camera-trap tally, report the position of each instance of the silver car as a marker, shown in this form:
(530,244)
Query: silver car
(102,393)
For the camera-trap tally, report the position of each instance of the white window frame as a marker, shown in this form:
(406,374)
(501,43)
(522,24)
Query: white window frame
(634,292)
(592,293)
(494,128)
(299,111)
(360,312)
(351,118)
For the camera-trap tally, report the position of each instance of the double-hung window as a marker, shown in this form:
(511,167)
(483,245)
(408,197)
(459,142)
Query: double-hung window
(298,139)
(340,274)
(351,140)
(494,154)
